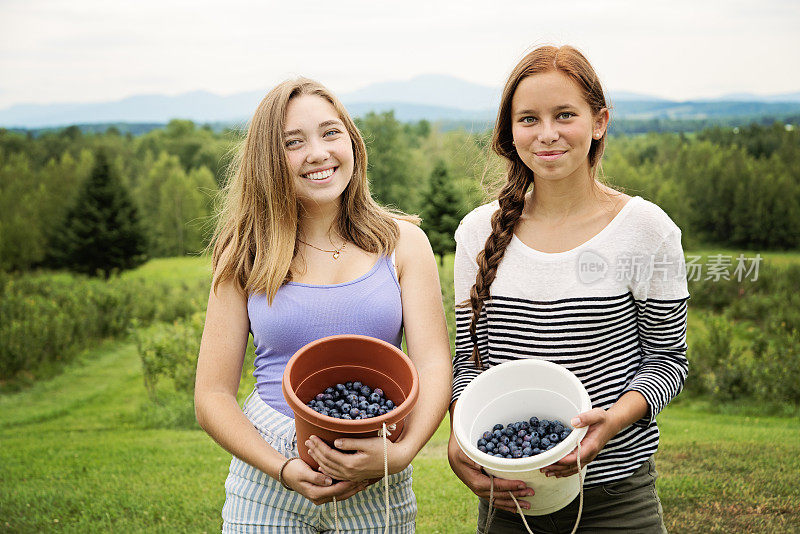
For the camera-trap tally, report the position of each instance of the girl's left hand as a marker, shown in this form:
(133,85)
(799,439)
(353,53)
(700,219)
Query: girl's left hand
(602,427)
(366,463)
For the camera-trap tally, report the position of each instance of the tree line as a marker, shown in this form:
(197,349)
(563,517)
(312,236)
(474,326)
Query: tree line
(724,186)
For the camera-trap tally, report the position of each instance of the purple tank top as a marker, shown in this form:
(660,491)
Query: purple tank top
(301,313)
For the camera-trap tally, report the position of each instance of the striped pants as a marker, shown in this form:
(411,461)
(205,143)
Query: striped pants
(257,503)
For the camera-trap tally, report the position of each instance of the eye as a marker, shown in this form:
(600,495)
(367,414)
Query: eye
(331,133)
(292,143)
(565,115)
(528,120)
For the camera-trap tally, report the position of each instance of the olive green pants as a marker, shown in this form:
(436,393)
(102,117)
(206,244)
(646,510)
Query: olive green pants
(628,505)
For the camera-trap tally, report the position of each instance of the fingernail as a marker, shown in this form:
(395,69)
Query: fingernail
(309,452)
(338,443)
(328,482)
(576,421)
(521,486)
(308,443)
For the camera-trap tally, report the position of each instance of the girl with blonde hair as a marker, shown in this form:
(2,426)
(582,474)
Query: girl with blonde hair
(302,252)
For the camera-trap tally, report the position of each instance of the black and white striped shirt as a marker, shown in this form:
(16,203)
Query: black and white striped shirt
(612,311)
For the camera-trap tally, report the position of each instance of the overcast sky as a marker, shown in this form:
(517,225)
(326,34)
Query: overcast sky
(100,50)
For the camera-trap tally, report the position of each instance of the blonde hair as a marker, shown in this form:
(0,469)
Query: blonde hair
(256,235)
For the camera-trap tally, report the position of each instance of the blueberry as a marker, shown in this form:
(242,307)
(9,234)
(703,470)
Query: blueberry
(524,425)
(553,438)
(345,407)
(365,390)
(544,422)
(379,391)
(339,403)
(389,404)
(497,434)
(354,412)
(534,422)
(545,442)
(502,449)
(357,385)
(516,454)
(487,435)
(527,451)
(521,433)
(349,385)
(550,446)
(482,448)
(320,397)
(489,446)
(346,416)
(340,387)
(537,450)
(498,426)
(564,434)
(374,397)
(481,442)
(329,391)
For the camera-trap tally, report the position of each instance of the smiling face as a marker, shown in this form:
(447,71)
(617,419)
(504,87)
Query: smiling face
(553,126)
(318,150)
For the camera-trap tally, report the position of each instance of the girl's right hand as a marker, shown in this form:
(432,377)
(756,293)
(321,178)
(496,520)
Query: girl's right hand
(317,487)
(476,480)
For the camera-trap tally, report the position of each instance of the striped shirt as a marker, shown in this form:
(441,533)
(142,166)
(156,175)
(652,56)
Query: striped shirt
(612,311)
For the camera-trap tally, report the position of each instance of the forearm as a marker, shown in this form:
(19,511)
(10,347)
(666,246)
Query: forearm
(431,406)
(221,417)
(628,409)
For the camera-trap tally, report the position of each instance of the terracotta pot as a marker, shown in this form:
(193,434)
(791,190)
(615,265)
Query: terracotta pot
(348,358)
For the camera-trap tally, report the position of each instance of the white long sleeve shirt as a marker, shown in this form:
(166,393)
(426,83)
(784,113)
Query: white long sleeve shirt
(612,311)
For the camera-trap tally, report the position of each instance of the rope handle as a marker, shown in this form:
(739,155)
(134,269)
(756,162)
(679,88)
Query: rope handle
(490,513)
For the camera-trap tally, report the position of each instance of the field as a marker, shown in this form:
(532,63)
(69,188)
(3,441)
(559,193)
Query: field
(77,454)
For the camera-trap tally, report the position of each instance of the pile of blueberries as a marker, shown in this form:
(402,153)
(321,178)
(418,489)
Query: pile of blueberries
(523,439)
(352,400)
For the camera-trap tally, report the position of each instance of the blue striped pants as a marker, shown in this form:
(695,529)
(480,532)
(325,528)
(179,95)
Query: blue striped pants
(257,503)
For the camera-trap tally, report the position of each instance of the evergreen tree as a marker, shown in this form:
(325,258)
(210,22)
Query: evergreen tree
(101,233)
(442,211)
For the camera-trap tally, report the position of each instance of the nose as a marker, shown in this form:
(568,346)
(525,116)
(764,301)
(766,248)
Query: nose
(317,151)
(548,133)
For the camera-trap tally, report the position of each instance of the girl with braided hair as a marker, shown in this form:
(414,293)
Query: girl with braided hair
(564,268)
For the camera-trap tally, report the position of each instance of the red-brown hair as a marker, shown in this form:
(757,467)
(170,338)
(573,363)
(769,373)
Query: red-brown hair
(519,177)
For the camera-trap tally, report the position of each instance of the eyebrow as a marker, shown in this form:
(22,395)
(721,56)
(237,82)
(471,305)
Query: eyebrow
(323,124)
(555,109)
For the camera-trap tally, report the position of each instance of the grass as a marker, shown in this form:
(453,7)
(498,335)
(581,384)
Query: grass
(74,458)
(77,456)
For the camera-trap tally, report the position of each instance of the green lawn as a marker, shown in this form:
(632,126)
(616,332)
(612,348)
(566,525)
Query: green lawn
(76,456)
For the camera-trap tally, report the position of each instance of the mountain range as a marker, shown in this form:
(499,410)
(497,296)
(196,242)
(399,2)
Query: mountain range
(433,97)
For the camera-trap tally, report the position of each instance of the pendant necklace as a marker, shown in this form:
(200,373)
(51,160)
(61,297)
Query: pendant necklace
(336,252)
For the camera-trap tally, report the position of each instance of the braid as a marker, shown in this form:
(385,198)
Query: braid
(504,220)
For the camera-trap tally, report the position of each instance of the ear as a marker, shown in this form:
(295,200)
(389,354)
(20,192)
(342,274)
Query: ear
(600,123)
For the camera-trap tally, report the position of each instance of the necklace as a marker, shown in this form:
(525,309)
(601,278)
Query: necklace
(336,251)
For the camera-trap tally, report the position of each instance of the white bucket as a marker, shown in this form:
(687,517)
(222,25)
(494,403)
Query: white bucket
(516,391)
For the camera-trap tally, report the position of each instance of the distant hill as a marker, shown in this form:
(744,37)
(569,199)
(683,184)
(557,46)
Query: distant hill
(433,97)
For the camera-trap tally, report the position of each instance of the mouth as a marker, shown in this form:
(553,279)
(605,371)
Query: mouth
(550,155)
(320,175)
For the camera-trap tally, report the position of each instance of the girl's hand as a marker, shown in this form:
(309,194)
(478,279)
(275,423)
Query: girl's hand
(602,427)
(365,464)
(315,486)
(476,480)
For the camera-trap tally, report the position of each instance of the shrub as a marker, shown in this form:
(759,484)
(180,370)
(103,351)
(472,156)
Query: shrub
(48,318)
